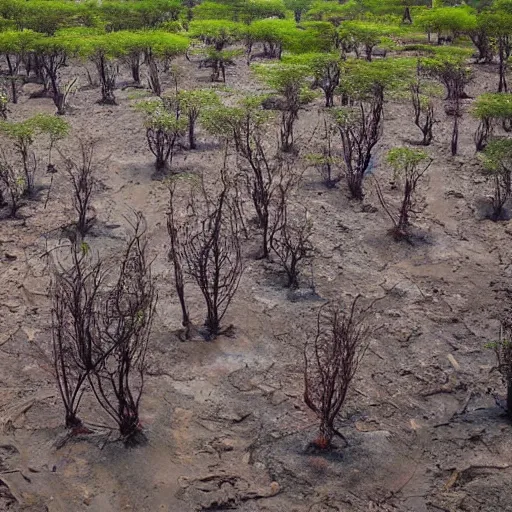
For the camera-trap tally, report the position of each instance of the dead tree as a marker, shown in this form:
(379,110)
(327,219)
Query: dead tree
(211,248)
(126,319)
(4,102)
(154,81)
(326,162)
(503,350)
(360,130)
(483,132)
(291,241)
(262,172)
(75,326)
(456,119)
(108,71)
(82,177)
(423,113)
(175,256)
(330,364)
(11,185)
(504,51)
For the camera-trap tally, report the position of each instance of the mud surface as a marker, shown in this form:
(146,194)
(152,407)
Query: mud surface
(226,425)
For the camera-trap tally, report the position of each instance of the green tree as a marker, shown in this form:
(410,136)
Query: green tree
(53,53)
(274,34)
(354,34)
(193,104)
(142,14)
(217,35)
(244,126)
(161,48)
(49,16)
(451,70)
(499,26)
(454,21)
(164,127)
(15,46)
(408,168)
(488,109)
(299,7)
(326,69)
(497,167)
(23,135)
(290,82)
(334,12)
(105,51)
(360,126)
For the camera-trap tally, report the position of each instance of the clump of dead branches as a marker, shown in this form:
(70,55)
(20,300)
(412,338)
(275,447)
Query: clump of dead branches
(208,247)
(330,363)
(101,327)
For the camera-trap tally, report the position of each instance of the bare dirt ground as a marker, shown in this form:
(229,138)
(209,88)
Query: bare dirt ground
(227,428)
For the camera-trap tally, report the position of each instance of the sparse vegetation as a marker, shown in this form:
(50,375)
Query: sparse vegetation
(289,138)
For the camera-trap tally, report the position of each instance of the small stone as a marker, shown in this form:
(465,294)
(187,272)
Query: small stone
(275,488)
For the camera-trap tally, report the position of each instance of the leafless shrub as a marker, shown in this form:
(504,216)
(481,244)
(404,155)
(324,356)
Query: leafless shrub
(176,256)
(126,320)
(331,362)
(263,174)
(12,185)
(423,113)
(360,129)
(291,241)
(327,162)
(503,351)
(483,133)
(82,177)
(455,131)
(75,326)
(154,82)
(211,247)
(4,102)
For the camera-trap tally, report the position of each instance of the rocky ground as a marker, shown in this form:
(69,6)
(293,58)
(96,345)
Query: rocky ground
(226,425)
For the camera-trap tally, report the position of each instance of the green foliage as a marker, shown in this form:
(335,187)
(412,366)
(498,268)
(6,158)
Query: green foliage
(495,106)
(496,24)
(140,14)
(164,44)
(218,33)
(497,156)
(367,33)
(193,101)
(14,42)
(361,78)
(46,16)
(282,76)
(404,160)
(334,12)
(273,31)
(439,52)
(455,20)
(41,124)
(224,121)
(317,36)
(158,117)
(244,11)
(299,7)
